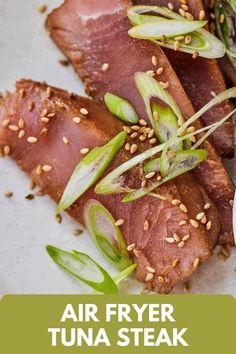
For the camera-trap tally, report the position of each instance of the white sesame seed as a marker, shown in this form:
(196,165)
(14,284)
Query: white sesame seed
(179,38)
(135,128)
(134,135)
(200,215)
(150,269)
(195,55)
(84,111)
(39,170)
(160,71)
(196,263)
(153,141)
(170,6)
(184,7)
(21,123)
(119,222)
(142,122)
(175,262)
(160,279)
(144,183)
(222,18)
(131,247)
(182,12)
(186,238)
(133,148)
(183,208)
(5,123)
(207,206)
(44,112)
(32,139)
(154,60)
(181,244)
(165,85)
(105,67)
(208,225)
(44,132)
(76,120)
(176,45)
(149,277)
(45,119)
(182,222)
(189,16)
(127,146)
(188,40)
(150,175)
(175,202)
(192,138)
(190,129)
(13,128)
(65,140)
(30,106)
(150,133)
(204,220)
(170,239)
(84,151)
(159,178)
(150,72)
(176,237)
(6,150)
(155,115)
(21,134)
(146,225)
(143,137)
(46,168)
(194,223)
(202,15)
(48,92)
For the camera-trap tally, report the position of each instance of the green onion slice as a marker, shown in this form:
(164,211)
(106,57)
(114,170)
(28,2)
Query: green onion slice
(183,162)
(118,278)
(106,235)
(203,42)
(166,125)
(171,28)
(84,268)
(113,182)
(89,169)
(226,30)
(121,108)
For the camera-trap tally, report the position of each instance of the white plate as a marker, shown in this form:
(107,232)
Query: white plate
(27,226)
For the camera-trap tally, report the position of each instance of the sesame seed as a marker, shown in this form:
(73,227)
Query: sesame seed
(84,111)
(160,279)
(150,269)
(186,238)
(183,208)
(131,247)
(207,206)
(175,262)
(46,168)
(135,128)
(45,119)
(182,12)
(150,72)
(65,140)
(204,220)
(127,146)
(175,202)
(39,170)
(179,38)
(202,15)
(21,134)
(160,71)
(42,9)
(5,123)
(21,123)
(151,133)
(60,104)
(133,148)
(165,85)
(144,183)
(146,225)
(84,151)
(6,150)
(13,127)
(58,218)
(190,129)
(30,106)
(176,237)
(149,277)
(134,135)
(188,40)
(170,239)
(8,194)
(153,141)
(170,6)
(192,138)
(51,115)
(44,132)
(142,122)
(119,222)
(200,215)
(194,223)
(48,92)
(182,222)
(154,60)
(176,45)
(195,55)
(155,115)
(105,67)
(189,16)
(196,263)
(184,7)
(32,140)
(44,112)
(77,232)
(150,175)
(159,178)
(208,225)
(171,154)
(76,120)
(137,253)
(231,203)
(222,18)
(143,137)
(181,244)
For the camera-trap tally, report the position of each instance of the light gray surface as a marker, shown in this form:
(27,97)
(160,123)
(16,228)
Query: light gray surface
(27,226)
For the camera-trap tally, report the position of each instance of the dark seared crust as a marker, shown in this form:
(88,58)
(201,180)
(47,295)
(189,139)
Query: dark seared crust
(96,33)
(199,78)
(96,129)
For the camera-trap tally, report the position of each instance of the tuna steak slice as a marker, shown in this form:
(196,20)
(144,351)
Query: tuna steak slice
(200,78)
(30,103)
(94,32)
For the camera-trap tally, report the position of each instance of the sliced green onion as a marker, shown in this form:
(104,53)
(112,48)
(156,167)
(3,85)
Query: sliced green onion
(84,268)
(118,278)
(121,108)
(182,163)
(113,182)
(89,170)
(152,166)
(168,112)
(164,163)
(203,42)
(170,28)
(106,235)
(226,30)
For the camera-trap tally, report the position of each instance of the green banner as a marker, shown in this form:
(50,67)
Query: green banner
(43,324)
